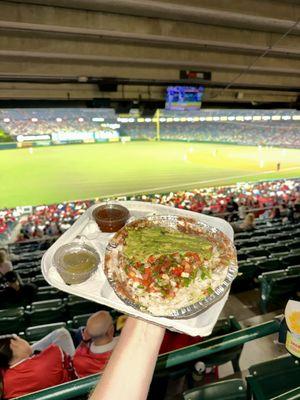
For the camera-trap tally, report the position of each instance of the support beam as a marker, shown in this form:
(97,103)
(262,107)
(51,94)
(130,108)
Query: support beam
(179,11)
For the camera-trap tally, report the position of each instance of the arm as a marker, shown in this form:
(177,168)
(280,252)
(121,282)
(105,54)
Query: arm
(129,371)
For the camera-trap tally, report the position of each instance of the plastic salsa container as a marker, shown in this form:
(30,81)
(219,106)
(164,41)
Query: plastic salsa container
(110,217)
(76,262)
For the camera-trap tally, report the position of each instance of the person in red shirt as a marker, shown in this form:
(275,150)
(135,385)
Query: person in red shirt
(23,372)
(93,353)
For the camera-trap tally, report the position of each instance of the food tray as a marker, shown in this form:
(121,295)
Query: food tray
(98,289)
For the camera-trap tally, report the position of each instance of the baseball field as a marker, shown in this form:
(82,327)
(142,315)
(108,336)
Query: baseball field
(44,175)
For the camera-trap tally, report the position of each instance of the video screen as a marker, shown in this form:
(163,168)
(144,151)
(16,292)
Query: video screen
(184,98)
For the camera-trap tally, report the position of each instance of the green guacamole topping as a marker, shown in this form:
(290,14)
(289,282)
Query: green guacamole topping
(141,243)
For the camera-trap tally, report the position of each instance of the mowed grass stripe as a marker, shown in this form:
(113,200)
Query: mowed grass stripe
(54,174)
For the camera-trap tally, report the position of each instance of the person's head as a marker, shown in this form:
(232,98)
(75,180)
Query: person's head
(3,256)
(249,219)
(12,350)
(99,328)
(12,280)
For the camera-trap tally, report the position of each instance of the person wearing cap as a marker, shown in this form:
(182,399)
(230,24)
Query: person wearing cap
(26,368)
(98,342)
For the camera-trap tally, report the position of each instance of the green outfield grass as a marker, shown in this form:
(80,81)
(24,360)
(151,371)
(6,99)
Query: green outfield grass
(53,174)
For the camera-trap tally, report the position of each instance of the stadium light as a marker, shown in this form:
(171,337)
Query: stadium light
(141,120)
(6,120)
(296,117)
(148,120)
(276,117)
(248,118)
(231,118)
(216,119)
(130,119)
(286,117)
(239,118)
(34,119)
(257,118)
(223,118)
(58,119)
(97,119)
(80,119)
(202,119)
(266,117)
(162,119)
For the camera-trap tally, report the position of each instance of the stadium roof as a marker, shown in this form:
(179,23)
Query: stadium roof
(244,51)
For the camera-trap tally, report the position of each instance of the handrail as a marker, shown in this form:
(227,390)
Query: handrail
(192,353)
(293,394)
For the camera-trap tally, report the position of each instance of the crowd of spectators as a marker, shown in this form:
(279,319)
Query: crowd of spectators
(270,199)
(238,127)
(272,134)
(8,220)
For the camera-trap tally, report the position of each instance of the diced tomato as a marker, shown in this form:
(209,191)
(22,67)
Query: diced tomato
(177,271)
(147,274)
(194,255)
(166,264)
(151,260)
(146,282)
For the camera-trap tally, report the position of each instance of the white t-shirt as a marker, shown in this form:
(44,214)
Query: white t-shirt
(104,348)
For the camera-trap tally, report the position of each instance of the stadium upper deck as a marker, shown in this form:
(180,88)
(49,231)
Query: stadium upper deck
(268,127)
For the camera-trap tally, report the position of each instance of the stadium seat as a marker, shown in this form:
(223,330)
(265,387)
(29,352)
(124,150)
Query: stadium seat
(223,327)
(295,269)
(44,312)
(291,259)
(80,320)
(242,235)
(28,272)
(12,320)
(48,293)
(259,253)
(295,245)
(277,249)
(231,389)
(269,265)
(272,378)
(35,333)
(277,290)
(78,306)
(246,274)
(266,240)
(39,280)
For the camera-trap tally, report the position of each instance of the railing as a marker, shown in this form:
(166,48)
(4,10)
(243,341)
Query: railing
(293,394)
(175,358)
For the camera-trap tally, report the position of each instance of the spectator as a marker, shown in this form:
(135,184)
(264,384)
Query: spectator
(16,293)
(232,208)
(276,213)
(247,225)
(26,369)
(5,264)
(93,353)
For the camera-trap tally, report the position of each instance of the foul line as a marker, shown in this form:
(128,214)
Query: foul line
(197,183)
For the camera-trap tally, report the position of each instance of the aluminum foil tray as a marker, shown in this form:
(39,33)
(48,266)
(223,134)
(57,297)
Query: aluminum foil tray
(97,288)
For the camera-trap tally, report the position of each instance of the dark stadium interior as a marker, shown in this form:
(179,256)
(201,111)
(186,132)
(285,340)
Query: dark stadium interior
(215,83)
